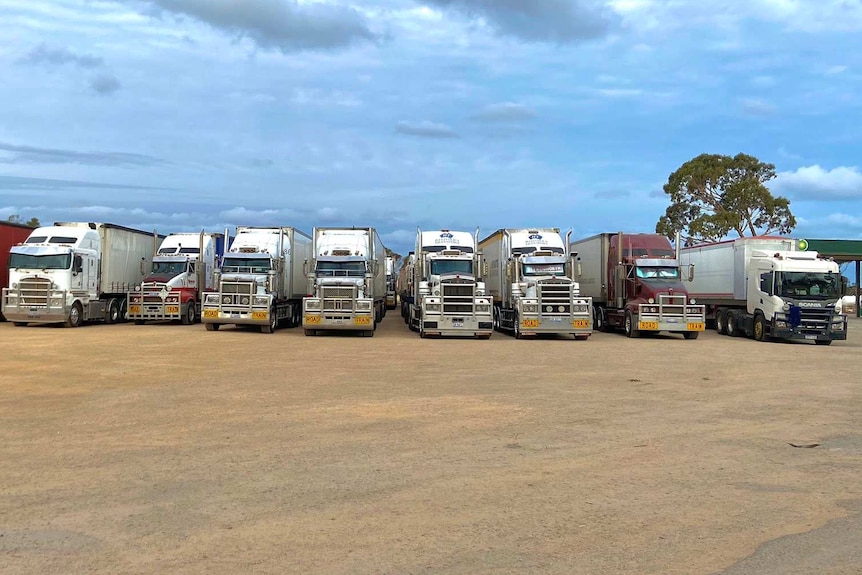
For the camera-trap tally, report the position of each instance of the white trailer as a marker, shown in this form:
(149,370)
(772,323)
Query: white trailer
(763,287)
(261,281)
(74,272)
(532,281)
(448,294)
(347,280)
(391,279)
(183,269)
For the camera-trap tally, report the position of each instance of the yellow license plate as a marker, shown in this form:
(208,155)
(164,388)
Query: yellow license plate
(529,323)
(362,320)
(696,326)
(312,319)
(581,323)
(134,309)
(648,325)
(211,313)
(259,315)
(172,309)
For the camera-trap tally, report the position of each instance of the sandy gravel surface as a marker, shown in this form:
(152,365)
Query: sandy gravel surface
(170,449)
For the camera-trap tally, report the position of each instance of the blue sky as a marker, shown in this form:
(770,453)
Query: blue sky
(189,114)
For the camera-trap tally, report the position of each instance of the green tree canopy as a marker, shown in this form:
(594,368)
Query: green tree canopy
(16,219)
(393,255)
(713,195)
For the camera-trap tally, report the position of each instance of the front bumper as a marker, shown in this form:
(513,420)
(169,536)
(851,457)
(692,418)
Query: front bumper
(667,317)
(560,325)
(343,321)
(15,309)
(141,310)
(811,331)
(235,316)
(451,326)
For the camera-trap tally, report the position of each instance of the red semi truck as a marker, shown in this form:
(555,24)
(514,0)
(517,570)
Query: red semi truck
(11,234)
(635,281)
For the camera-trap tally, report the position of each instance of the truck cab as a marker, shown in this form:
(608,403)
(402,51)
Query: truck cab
(645,288)
(54,268)
(449,296)
(182,269)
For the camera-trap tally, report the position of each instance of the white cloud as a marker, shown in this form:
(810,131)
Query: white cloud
(817,184)
(505,112)
(425,129)
(757,107)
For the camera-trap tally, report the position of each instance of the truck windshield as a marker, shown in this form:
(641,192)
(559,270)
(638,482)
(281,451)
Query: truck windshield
(169,268)
(809,284)
(440,267)
(544,269)
(657,273)
(31,262)
(245,265)
(333,269)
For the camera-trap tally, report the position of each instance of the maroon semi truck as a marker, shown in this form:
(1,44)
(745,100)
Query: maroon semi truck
(636,284)
(11,234)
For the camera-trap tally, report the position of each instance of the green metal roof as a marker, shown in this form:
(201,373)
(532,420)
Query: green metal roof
(839,250)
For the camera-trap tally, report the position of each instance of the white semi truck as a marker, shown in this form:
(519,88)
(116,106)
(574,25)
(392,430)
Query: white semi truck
(346,280)
(261,280)
(532,279)
(763,287)
(448,294)
(391,277)
(183,271)
(73,272)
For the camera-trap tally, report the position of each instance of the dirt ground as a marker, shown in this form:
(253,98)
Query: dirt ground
(170,449)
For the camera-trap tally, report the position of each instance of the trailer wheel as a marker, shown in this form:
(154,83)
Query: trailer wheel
(690,334)
(113,311)
(75,315)
(496,319)
(212,326)
(630,326)
(189,317)
(721,322)
(759,328)
(730,324)
(598,318)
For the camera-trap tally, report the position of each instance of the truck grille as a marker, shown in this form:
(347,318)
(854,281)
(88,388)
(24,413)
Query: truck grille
(237,288)
(34,291)
(814,321)
(338,298)
(555,298)
(457,299)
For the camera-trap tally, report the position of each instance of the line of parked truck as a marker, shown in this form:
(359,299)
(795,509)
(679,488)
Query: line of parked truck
(525,282)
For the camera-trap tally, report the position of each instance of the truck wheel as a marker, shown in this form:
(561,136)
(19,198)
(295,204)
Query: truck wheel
(310,332)
(630,326)
(730,324)
(690,334)
(113,312)
(516,326)
(823,342)
(759,328)
(598,319)
(189,315)
(273,323)
(19,323)
(139,322)
(368,333)
(721,322)
(75,316)
(212,326)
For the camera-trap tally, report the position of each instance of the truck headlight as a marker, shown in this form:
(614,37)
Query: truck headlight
(837,326)
(432,307)
(580,309)
(483,308)
(692,310)
(56,301)
(245,300)
(226,299)
(261,300)
(312,304)
(692,301)
(530,308)
(211,299)
(780,323)
(363,305)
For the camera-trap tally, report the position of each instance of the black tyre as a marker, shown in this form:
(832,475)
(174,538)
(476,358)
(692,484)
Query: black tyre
(19,323)
(690,334)
(212,326)
(139,322)
(113,312)
(190,314)
(630,326)
(273,323)
(721,322)
(309,332)
(76,316)
(598,318)
(823,342)
(760,328)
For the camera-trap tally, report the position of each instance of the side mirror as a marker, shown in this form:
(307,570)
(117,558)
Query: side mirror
(576,264)
(143,266)
(844,283)
(509,271)
(305,268)
(691,272)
